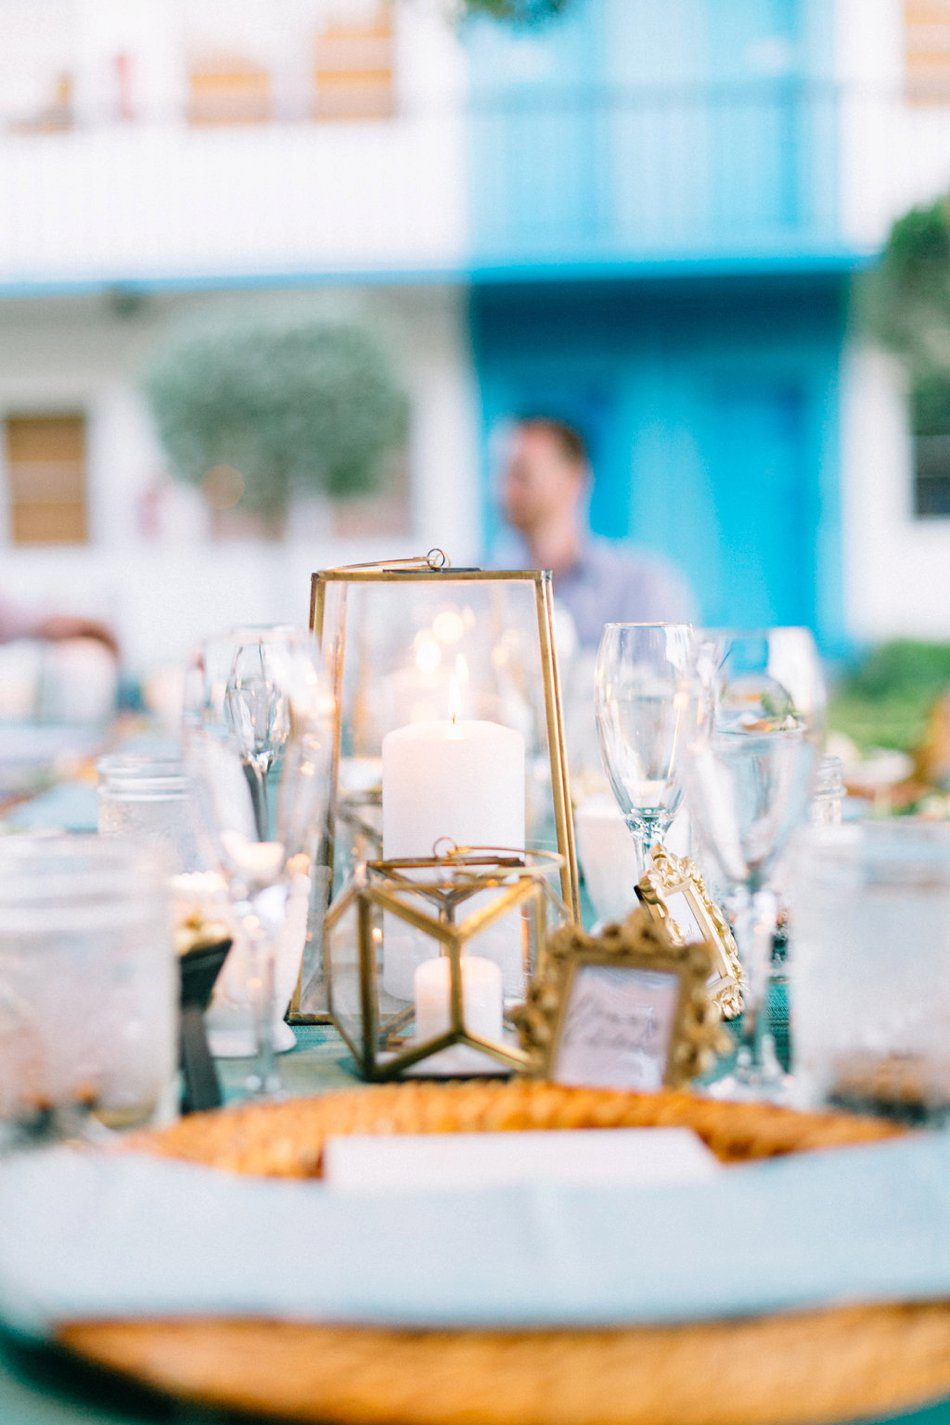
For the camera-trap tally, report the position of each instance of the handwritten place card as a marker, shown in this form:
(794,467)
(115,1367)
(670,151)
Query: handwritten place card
(579,1158)
(626,1009)
(617,1027)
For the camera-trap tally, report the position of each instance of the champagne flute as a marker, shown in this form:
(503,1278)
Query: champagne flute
(642,696)
(752,753)
(257,736)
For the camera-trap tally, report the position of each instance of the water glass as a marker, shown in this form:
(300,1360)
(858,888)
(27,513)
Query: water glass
(750,763)
(149,798)
(88,986)
(870,924)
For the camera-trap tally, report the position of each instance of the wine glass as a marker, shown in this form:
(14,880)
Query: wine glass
(257,737)
(752,753)
(642,681)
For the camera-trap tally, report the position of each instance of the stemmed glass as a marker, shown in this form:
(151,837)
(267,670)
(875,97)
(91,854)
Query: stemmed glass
(642,697)
(257,736)
(752,752)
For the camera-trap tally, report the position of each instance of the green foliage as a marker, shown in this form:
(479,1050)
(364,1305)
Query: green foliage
(930,404)
(290,402)
(906,299)
(885,700)
(898,721)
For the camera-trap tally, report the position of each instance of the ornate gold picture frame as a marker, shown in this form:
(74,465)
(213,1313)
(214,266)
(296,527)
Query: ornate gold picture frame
(625,1009)
(673,893)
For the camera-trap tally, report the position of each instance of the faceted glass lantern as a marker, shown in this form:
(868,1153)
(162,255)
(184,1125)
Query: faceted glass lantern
(449,720)
(427,958)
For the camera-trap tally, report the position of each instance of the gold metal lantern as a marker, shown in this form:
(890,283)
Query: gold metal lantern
(426,956)
(449,722)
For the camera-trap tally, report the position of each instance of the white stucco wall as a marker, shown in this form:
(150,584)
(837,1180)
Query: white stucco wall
(896,567)
(154,199)
(894,155)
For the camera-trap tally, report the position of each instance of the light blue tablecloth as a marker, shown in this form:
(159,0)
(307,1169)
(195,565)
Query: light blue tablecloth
(88,1236)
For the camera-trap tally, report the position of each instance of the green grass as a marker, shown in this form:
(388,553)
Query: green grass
(885,700)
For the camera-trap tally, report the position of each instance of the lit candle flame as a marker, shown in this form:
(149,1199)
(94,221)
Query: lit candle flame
(458,684)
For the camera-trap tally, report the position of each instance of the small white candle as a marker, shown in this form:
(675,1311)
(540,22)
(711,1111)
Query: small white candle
(482,1007)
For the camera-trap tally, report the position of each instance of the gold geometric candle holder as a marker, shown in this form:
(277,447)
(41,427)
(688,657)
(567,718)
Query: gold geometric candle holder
(413,648)
(427,959)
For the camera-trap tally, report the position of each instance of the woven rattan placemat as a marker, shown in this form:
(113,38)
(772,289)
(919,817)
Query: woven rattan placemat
(833,1365)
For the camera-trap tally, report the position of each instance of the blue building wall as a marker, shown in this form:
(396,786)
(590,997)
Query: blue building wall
(656,258)
(650,127)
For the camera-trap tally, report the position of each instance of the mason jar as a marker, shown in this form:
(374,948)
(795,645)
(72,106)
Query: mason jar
(88,984)
(870,906)
(149,798)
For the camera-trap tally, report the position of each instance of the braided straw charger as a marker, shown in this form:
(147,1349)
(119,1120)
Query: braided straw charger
(823,1366)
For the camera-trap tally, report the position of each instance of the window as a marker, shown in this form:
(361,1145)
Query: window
(354,72)
(930,425)
(46,478)
(927,51)
(227,89)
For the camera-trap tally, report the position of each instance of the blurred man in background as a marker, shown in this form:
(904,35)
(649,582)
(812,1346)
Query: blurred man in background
(544,489)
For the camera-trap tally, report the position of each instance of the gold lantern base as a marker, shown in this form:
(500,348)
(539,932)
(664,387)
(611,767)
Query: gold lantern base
(482,913)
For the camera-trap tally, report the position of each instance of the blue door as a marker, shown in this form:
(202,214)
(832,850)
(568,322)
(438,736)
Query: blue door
(761,546)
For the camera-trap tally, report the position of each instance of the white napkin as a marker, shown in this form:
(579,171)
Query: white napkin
(631,1157)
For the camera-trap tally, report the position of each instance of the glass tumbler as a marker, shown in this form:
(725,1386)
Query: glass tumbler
(149,798)
(870,924)
(827,803)
(88,987)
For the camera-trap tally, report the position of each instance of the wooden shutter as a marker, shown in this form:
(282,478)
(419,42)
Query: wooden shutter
(228,90)
(354,72)
(46,479)
(927,51)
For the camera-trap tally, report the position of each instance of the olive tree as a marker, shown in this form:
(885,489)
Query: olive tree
(292,403)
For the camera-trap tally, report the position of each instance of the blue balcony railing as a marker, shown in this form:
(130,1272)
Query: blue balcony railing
(587,175)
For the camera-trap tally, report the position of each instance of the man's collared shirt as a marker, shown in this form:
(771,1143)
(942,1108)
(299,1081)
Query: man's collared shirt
(611,583)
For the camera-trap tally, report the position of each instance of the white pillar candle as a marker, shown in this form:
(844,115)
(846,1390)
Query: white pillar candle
(462,780)
(458,780)
(482,1008)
